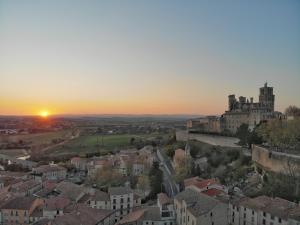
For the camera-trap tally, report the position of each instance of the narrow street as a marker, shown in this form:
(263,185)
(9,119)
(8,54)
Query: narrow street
(171,187)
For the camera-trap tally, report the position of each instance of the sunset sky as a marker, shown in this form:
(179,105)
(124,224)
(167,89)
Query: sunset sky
(145,57)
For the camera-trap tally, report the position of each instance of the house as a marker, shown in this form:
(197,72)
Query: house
(50,172)
(144,216)
(211,187)
(179,157)
(138,168)
(122,164)
(80,164)
(121,199)
(19,210)
(71,191)
(99,200)
(166,208)
(81,214)
(137,200)
(96,164)
(263,210)
(36,215)
(55,206)
(26,188)
(193,208)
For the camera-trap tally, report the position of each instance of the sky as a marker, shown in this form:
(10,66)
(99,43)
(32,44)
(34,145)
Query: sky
(145,57)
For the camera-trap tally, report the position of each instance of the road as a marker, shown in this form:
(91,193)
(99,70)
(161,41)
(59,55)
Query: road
(217,140)
(171,187)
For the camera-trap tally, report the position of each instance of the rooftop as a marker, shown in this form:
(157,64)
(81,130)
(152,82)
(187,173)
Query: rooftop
(48,168)
(21,203)
(82,214)
(274,206)
(198,203)
(119,190)
(56,203)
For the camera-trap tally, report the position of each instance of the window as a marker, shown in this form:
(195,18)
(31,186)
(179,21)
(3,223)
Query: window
(252,212)
(279,220)
(264,213)
(264,222)
(114,201)
(211,214)
(272,217)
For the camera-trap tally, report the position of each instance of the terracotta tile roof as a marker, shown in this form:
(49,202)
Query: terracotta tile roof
(152,214)
(100,196)
(132,217)
(179,153)
(56,203)
(274,206)
(70,190)
(49,185)
(82,214)
(21,203)
(201,184)
(48,168)
(192,180)
(198,203)
(213,192)
(25,186)
(119,190)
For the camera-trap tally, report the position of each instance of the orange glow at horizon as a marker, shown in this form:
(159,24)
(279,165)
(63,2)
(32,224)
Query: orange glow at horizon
(44,113)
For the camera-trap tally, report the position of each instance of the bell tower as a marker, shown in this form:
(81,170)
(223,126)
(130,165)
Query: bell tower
(266,97)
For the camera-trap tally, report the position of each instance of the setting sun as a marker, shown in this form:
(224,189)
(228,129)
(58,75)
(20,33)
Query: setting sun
(44,114)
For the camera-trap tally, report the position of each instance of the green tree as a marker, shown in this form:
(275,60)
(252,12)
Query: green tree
(155,180)
(170,151)
(243,133)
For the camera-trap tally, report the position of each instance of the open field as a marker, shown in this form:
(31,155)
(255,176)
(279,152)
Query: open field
(37,139)
(100,143)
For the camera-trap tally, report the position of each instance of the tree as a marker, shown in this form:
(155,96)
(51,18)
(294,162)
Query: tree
(143,183)
(281,134)
(243,133)
(254,138)
(107,176)
(155,179)
(132,140)
(170,151)
(292,111)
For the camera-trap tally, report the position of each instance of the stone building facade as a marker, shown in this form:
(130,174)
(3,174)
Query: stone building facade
(240,111)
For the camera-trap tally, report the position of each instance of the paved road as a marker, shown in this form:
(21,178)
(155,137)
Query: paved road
(170,184)
(182,135)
